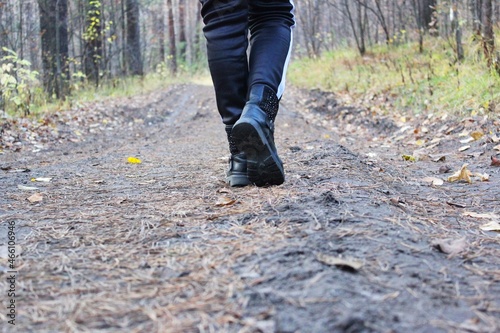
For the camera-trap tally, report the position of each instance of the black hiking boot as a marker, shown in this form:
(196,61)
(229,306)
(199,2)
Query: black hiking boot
(237,173)
(253,134)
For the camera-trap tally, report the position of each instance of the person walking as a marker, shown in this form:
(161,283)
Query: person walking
(248,48)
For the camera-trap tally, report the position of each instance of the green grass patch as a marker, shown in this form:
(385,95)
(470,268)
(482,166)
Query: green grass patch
(405,79)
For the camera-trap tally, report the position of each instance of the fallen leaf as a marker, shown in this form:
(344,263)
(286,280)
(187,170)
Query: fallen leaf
(41,179)
(224,201)
(484,177)
(497,147)
(438,158)
(495,161)
(476,154)
(434,181)
(491,226)
(482,215)
(476,135)
(419,142)
(37,197)
(19,170)
(409,158)
(464,148)
(467,140)
(495,139)
(456,204)
(351,264)
(451,246)
(134,160)
(27,188)
(397,201)
(463,174)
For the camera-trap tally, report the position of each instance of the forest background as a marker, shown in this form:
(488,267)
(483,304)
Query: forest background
(417,55)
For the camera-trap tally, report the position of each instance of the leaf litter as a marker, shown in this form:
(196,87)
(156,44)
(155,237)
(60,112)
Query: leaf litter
(101,253)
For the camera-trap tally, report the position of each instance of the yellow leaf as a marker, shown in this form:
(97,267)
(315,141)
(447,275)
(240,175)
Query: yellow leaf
(477,135)
(41,179)
(134,160)
(461,175)
(419,142)
(409,158)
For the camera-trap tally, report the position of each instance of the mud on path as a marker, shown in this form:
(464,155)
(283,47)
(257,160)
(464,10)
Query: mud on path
(354,241)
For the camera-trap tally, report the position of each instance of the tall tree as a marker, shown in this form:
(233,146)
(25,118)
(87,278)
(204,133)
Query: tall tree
(488,35)
(134,54)
(3,33)
(357,23)
(418,14)
(457,29)
(310,20)
(92,53)
(54,40)
(476,8)
(172,47)
(182,30)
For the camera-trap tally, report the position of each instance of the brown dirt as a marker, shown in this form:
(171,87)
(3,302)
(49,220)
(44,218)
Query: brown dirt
(354,241)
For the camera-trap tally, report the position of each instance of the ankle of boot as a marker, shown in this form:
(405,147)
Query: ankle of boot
(232,146)
(265,97)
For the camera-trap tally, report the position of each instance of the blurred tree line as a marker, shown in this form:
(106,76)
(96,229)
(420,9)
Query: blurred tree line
(92,41)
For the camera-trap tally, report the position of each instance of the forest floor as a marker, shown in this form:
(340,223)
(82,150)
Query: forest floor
(367,234)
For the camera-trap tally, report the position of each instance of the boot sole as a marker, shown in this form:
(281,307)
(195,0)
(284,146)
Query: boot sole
(263,165)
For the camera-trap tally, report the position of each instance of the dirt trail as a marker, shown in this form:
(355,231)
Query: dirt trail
(354,241)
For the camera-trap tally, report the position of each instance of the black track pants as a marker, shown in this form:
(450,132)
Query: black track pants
(233,70)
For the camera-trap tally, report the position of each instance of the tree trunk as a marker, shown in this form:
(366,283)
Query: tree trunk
(134,56)
(361,26)
(381,18)
(477,13)
(455,27)
(54,32)
(182,31)
(33,40)
(172,49)
(3,32)
(488,36)
(359,38)
(92,54)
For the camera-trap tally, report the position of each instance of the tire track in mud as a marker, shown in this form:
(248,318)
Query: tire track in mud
(166,246)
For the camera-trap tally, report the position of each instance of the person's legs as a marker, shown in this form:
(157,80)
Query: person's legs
(270,24)
(226,31)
